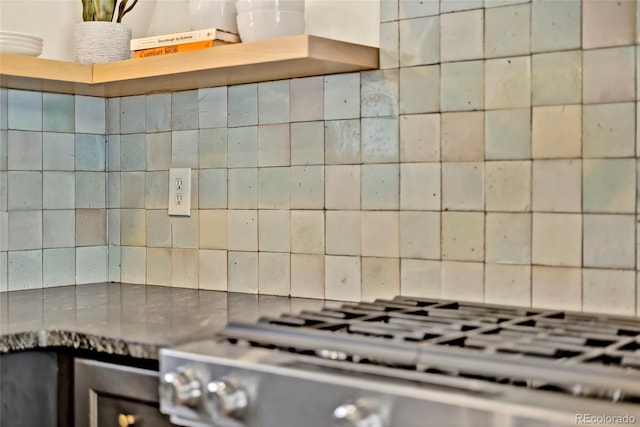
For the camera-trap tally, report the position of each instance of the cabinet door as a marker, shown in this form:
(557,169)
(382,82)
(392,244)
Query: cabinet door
(109,395)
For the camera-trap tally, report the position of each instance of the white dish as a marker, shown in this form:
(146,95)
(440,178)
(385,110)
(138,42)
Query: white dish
(244,6)
(18,50)
(269,24)
(20,44)
(23,35)
(19,40)
(219,14)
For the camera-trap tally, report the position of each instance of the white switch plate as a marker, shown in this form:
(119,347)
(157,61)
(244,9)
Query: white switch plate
(180,191)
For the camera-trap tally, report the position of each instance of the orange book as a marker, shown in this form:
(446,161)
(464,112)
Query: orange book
(177,48)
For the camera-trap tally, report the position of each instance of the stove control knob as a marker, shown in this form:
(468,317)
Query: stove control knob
(226,399)
(358,414)
(181,388)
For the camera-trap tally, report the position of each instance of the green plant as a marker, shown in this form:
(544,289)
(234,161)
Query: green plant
(104,10)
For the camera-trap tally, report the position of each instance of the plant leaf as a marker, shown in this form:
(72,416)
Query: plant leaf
(88,13)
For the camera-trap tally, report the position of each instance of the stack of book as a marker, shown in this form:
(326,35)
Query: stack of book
(181,42)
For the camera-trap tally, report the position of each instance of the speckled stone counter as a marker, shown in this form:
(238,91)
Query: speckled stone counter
(127,320)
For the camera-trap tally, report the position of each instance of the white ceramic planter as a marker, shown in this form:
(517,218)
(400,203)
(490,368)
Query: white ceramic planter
(97,42)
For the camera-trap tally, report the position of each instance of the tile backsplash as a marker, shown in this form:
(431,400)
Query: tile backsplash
(493,157)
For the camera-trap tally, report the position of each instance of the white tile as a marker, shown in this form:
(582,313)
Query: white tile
(380,278)
(212,107)
(243,105)
(609,185)
(307,187)
(273,188)
(609,291)
(557,132)
(342,278)
(420,278)
(4,231)
(463,236)
(379,141)
(25,112)
(243,188)
(507,134)
(58,267)
(462,136)
(461,36)
(342,186)
(609,241)
(212,188)
(274,273)
(420,186)
(273,102)
(389,45)
(608,23)
(609,130)
(212,270)
(507,83)
(113,226)
(184,149)
(342,141)
(380,234)
(159,266)
(114,190)
(508,186)
(420,89)
(91,264)
(59,228)
(414,8)
(184,231)
(25,230)
(274,230)
(25,191)
(133,227)
(380,186)
(156,190)
(243,272)
(557,239)
(90,112)
(242,150)
(307,143)
(158,233)
(420,138)
(134,265)
(307,276)
(419,41)
(557,186)
(307,232)
(420,235)
(58,151)
(274,145)
(463,186)
(555,25)
(507,31)
(184,268)
(389,10)
(342,230)
(306,99)
(458,5)
(58,190)
(132,117)
(608,75)
(212,148)
(25,270)
(463,281)
(499,3)
(462,86)
(379,93)
(507,284)
(133,185)
(242,230)
(24,150)
(556,288)
(132,152)
(342,96)
(508,238)
(556,78)
(212,228)
(158,112)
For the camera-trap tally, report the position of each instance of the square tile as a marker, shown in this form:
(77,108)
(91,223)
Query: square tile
(156,195)
(463,137)
(25,230)
(212,148)
(242,230)
(379,142)
(608,75)
(133,227)
(274,230)
(58,267)
(556,78)
(507,83)
(58,151)
(381,186)
(24,191)
(158,112)
(91,152)
(557,132)
(24,150)
(243,105)
(608,185)
(184,110)
(609,241)
(606,23)
(213,229)
(508,238)
(420,186)
(242,272)
(58,190)
(380,278)
(420,278)
(342,186)
(463,186)
(306,99)
(274,145)
(307,187)
(555,25)
(379,93)
(447,6)
(133,114)
(158,229)
(463,236)
(273,102)
(243,147)
(184,231)
(133,189)
(389,45)
(212,108)
(557,186)
(420,89)
(609,130)
(273,188)
(508,186)
(25,112)
(343,232)
(134,265)
(59,228)
(158,151)
(3,191)
(307,143)
(58,112)
(274,273)
(91,265)
(463,281)
(25,270)
(90,114)
(114,257)
(159,266)
(556,288)
(462,86)
(389,10)
(113,153)
(557,239)
(415,8)
(113,227)
(461,36)
(307,276)
(507,31)
(212,188)
(91,227)
(507,134)
(419,41)
(133,152)
(113,116)
(342,278)
(213,270)
(342,96)
(380,234)
(184,149)
(307,232)
(609,291)
(420,235)
(184,268)
(420,138)
(342,141)
(243,188)
(507,284)
(4,229)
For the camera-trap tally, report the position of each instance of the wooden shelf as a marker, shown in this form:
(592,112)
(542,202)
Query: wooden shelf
(289,57)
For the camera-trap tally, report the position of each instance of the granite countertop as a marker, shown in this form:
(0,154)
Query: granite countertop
(127,320)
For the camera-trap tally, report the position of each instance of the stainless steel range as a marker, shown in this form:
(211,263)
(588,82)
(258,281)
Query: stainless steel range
(409,362)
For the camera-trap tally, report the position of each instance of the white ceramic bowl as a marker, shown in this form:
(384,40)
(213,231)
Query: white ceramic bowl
(21,35)
(269,24)
(23,40)
(219,14)
(20,49)
(244,6)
